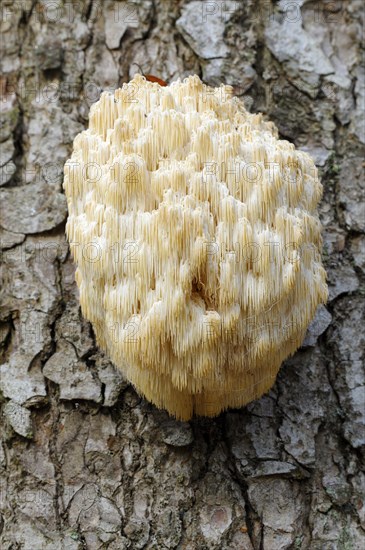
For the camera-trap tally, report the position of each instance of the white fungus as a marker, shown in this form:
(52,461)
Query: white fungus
(197,243)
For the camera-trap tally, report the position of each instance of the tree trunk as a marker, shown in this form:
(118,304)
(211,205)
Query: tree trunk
(85,462)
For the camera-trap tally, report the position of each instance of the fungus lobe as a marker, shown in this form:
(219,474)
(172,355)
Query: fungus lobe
(197,242)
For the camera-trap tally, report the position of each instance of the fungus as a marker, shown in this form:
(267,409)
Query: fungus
(197,243)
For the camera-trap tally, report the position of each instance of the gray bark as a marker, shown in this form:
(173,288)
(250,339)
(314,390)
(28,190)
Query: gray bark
(85,462)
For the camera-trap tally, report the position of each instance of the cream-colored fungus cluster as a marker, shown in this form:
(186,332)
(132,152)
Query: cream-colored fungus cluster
(197,243)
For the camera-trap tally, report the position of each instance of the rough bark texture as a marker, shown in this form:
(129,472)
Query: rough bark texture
(86,463)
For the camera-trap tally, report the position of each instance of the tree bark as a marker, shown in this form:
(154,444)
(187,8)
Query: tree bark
(85,462)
